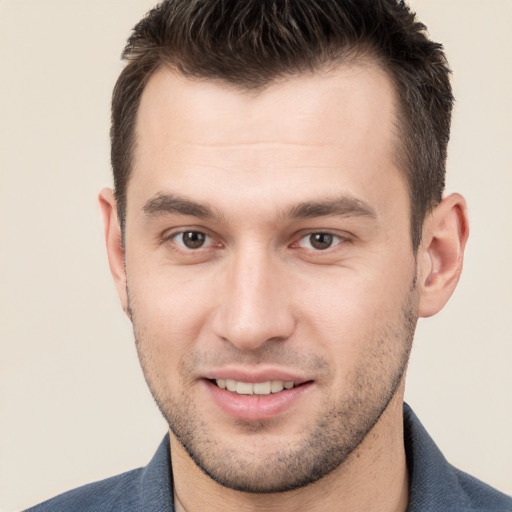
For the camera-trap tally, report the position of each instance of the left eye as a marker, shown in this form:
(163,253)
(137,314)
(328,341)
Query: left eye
(192,239)
(319,241)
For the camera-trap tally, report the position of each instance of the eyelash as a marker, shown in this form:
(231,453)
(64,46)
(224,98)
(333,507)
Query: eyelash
(173,237)
(335,240)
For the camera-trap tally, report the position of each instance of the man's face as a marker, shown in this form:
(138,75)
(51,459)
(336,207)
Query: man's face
(267,245)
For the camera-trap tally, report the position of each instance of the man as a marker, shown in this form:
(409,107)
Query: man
(276,230)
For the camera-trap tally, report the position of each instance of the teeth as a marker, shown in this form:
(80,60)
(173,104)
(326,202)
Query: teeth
(277,386)
(244,388)
(262,388)
(256,388)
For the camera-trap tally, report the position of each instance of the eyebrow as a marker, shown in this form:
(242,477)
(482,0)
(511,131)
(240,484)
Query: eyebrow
(164,203)
(345,206)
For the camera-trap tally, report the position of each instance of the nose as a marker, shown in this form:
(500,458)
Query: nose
(254,306)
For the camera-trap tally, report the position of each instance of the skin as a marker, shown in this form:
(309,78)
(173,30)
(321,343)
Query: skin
(258,173)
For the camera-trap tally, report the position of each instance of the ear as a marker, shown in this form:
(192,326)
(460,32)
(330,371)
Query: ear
(441,253)
(113,239)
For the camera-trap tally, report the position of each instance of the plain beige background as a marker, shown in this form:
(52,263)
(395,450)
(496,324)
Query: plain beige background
(73,403)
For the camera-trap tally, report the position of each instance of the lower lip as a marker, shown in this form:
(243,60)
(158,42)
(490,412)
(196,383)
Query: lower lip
(255,407)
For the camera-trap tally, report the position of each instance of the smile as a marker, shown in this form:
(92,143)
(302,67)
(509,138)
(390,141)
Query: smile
(254,388)
(256,401)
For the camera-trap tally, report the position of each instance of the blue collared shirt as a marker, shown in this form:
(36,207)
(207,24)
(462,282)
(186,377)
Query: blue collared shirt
(435,485)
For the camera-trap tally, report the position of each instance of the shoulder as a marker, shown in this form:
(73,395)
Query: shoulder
(437,485)
(146,489)
(121,492)
(480,496)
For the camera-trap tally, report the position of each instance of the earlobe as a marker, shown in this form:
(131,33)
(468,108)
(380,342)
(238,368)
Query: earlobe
(113,240)
(441,253)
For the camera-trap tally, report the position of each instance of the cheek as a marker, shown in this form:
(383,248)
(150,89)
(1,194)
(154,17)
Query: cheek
(167,320)
(350,308)
(170,307)
(349,296)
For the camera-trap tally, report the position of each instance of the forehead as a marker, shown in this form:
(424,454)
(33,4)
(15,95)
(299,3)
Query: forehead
(305,134)
(306,109)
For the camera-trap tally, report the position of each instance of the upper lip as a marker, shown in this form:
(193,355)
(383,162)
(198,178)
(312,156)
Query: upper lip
(261,375)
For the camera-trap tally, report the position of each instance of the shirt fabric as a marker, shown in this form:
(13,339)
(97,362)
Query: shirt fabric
(435,485)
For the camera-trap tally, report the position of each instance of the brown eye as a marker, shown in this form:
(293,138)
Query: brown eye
(319,241)
(192,239)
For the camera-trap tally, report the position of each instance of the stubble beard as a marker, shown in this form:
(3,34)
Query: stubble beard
(338,431)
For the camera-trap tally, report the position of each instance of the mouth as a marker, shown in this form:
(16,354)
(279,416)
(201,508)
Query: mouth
(254,388)
(257,395)
(256,401)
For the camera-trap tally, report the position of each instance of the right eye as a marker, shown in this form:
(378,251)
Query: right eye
(191,240)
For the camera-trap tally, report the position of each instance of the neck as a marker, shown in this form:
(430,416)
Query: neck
(374,478)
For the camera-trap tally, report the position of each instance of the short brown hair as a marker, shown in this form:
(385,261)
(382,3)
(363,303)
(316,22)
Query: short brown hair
(250,43)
